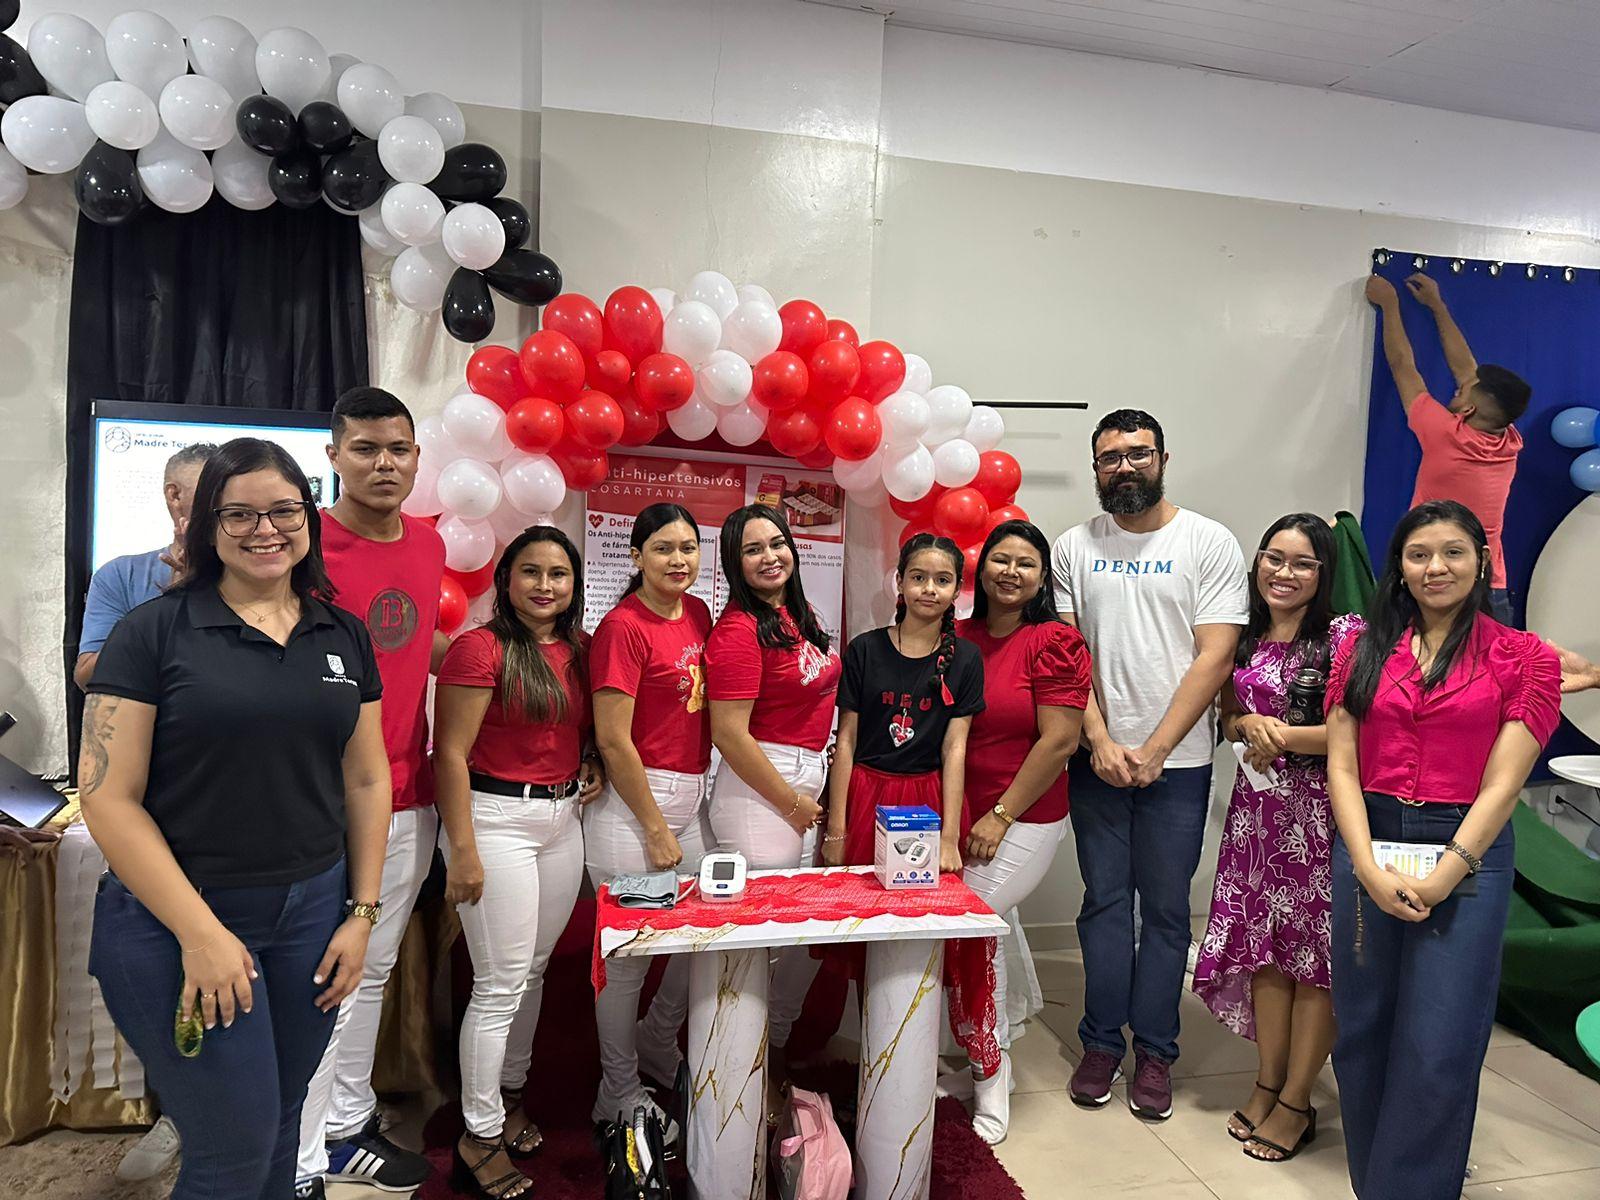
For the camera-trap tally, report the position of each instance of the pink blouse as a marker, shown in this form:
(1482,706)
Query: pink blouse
(1433,746)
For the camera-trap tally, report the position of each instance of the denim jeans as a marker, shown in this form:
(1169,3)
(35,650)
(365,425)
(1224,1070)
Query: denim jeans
(1500,606)
(1144,841)
(237,1103)
(1415,1003)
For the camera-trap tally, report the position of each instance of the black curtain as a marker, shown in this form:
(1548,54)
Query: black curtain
(220,306)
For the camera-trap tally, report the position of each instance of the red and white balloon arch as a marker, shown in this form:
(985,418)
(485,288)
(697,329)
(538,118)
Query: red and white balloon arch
(530,426)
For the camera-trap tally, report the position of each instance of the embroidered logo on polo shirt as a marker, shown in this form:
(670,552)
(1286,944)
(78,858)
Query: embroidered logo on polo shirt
(391,619)
(336,664)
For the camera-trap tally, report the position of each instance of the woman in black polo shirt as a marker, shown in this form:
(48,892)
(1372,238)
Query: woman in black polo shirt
(231,753)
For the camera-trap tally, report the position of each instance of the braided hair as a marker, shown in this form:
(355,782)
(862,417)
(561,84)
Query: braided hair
(945,655)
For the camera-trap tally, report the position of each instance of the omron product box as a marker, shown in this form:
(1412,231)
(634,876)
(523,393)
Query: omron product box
(906,847)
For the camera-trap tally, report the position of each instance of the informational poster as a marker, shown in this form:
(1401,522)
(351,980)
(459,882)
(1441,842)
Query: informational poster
(711,487)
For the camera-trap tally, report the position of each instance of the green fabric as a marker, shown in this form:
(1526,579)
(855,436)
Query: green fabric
(1589,1032)
(1353,584)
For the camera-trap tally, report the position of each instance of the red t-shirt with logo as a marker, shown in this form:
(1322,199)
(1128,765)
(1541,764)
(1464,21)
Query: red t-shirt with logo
(510,746)
(1467,465)
(661,664)
(393,587)
(793,690)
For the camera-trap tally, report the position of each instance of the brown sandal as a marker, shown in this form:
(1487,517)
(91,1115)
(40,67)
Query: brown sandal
(1250,1126)
(511,1185)
(527,1141)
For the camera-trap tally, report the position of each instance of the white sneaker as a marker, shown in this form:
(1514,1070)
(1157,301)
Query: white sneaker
(151,1154)
(991,1104)
(657,1063)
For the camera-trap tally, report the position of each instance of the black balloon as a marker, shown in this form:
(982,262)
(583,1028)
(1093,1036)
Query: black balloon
(525,276)
(108,185)
(468,311)
(10,10)
(471,171)
(324,127)
(267,126)
(354,179)
(18,76)
(296,179)
(513,217)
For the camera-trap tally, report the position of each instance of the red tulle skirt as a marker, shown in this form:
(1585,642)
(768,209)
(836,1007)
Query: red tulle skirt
(871,789)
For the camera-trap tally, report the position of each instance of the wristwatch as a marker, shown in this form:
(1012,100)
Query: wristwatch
(999,810)
(369,911)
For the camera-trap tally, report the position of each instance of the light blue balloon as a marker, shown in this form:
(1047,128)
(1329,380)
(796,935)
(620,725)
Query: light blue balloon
(1586,471)
(1574,428)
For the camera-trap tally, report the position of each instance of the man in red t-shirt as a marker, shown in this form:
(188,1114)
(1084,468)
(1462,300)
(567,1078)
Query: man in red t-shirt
(1470,446)
(386,568)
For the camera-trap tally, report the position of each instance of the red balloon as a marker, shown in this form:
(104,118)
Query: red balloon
(473,583)
(999,476)
(609,371)
(581,467)
(633,323)
(535,425)
(804,327)
(493,371)
(817,459)
(793,433)
(969,570)
(1006,512)
(663,382)
(853,430)
(595,420)
(918,512)
(779,381)
(452,604)
(883,370)
(960,515)
(552,365)
(912,529)
(639,424)
(834,369)
(578,317)
(843,331)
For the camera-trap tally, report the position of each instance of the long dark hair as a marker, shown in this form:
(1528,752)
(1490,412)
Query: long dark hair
(1042,607)
(528,686)
(1313,631)
(946,653)
(646,524)
(769,626)
(1394,610)
(242,456)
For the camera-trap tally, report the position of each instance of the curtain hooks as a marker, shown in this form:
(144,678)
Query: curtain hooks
(1381,257)
(1457,265)
(1494,268)
(1532,271)
(1419,263)
(1569,275)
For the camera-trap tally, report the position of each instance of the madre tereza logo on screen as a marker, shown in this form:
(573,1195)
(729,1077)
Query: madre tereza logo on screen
(1132,566)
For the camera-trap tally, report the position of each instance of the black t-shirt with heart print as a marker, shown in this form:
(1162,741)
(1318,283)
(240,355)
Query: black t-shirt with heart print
(901,716)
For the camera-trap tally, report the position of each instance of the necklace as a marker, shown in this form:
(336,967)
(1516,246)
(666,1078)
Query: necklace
(897,640)
(250,611)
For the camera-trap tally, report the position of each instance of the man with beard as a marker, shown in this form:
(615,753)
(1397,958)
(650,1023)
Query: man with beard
(1160,594)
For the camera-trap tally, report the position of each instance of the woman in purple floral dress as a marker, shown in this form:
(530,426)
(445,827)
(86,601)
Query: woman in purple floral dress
(1263,967)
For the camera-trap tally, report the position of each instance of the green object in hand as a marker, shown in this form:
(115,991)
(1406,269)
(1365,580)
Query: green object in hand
(188,1029)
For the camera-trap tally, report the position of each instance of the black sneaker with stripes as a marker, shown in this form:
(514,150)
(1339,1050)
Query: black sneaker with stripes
(370,1158)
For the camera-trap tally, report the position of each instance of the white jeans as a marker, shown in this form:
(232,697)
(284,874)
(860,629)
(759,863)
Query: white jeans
(1023,859)
(614,844)
(743,820)
(532,855)
(340,1099)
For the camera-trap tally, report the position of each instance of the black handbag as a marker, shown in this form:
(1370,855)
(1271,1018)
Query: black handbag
(636,1158)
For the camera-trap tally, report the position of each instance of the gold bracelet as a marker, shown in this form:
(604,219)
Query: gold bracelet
(999,810)
(794,808)
(833,837)
(207,946)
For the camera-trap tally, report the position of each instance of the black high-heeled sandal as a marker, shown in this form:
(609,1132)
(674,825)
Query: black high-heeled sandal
(1238,1115)
(513,1185)
(1285,1153)
(530,1139)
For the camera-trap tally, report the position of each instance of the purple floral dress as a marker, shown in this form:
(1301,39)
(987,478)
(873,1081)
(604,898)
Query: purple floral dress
(1271,905)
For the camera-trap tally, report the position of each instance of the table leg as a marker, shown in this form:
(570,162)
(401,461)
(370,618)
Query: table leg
(728,1074)
(899,1068)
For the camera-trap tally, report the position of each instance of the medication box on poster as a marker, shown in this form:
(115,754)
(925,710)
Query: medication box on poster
(906,847)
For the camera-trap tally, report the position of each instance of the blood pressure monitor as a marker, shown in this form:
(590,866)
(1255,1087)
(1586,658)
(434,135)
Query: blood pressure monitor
(723,876)
(916,851)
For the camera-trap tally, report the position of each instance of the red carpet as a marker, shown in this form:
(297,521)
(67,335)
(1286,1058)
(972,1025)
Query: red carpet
(566,1072)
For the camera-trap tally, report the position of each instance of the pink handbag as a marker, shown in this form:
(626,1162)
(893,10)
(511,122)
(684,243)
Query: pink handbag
(810,1160)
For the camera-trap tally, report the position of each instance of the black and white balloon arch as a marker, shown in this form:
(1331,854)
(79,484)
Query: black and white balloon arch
(146,116)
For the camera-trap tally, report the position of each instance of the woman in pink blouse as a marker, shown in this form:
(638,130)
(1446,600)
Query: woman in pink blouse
(1436,714)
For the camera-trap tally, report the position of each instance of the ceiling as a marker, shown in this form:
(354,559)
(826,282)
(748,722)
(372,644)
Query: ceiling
(1526,60)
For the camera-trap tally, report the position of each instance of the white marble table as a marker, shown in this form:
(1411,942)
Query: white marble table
(726,1150)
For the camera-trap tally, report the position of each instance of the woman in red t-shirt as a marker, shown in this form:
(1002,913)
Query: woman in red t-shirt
(771,676)
(512,767)
(647,671)
(1036,682)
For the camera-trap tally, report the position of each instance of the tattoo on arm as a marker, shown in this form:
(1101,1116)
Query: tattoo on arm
(99,728)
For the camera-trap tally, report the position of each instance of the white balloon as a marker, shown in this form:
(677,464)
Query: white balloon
(222,49)
(372,231)
(984,428)
(198,111)
(438,448)
(469,489)
(752,330)
(754,291)
(955,463)
(13,180)
(919,375)
(861,474)
(694,420)
(145,50)
(666,299)
(70,54)
(420,276)
(724,380)
(443,113)
(338,64)
(423,500)
(241,176)
(949,410)
(411,150)
(714,289)
(122,116)
(175,177)
(905,419)
(742,424)
(508,521)
(874,495)
(370,97)
(412,214)
(476,424)
(292,65)
(909,476)
(692,331)
(533,484)
(468,545)
(473,236)
(47,134)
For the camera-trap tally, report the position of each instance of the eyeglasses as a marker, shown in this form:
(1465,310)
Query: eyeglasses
(1138,458)
(1300,568)
(242,522)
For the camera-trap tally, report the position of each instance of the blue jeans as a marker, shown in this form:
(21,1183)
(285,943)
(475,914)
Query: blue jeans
(237,1104)
(1415,1003)
(1144,841)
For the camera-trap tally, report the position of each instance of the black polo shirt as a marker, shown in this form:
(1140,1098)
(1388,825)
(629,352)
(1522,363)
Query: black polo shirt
(246,760)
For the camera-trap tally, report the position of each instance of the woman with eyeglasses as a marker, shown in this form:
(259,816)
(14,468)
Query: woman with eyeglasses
(1263,966)
(234,775)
